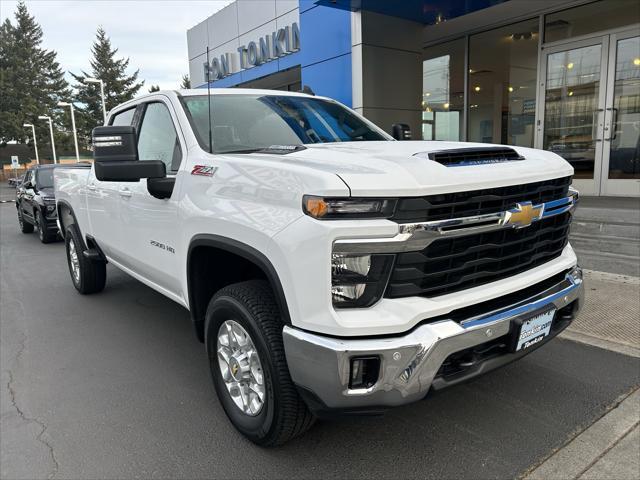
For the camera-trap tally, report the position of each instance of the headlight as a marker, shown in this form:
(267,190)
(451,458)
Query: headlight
(347,208)
(359,280)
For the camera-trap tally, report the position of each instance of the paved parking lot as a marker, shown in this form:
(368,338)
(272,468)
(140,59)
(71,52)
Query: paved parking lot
(115,385)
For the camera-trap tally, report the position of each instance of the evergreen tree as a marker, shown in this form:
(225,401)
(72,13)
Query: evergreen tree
(154,88)
(186,82)
(31,80)
(118,86)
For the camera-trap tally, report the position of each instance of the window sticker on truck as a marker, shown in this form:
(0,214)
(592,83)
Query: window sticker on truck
(204,170)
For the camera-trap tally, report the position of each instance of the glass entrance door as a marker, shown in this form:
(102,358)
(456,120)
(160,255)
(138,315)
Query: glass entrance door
(573,114)
(590,111)
(621,147)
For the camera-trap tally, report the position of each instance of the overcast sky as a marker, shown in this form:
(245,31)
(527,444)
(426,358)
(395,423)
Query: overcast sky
(152,33)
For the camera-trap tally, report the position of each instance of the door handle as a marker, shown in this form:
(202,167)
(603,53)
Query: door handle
(92,187)
(124,192)
(596,124)
(614,124)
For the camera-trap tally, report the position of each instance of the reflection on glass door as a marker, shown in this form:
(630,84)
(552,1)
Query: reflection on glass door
(573,109)
(622,130)
(591,111)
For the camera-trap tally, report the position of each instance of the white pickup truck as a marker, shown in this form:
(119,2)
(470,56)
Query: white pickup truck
(328,268)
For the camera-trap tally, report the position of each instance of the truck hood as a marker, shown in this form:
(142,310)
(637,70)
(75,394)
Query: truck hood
(388,168)
(47,193)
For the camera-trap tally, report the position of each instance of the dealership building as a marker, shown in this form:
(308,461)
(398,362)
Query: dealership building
(563,75)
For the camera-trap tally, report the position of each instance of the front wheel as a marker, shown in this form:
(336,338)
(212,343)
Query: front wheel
(43,232)
(24,226)
(88,276)
(243,335)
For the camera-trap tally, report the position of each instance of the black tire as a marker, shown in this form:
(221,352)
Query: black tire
(91,275)
(284,415)
(25,227)
(43,234)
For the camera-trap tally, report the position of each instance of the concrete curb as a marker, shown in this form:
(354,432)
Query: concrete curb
(601,343)
(612,277)
(583,452)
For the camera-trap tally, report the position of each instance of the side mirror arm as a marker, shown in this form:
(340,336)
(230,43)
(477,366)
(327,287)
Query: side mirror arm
(161,187)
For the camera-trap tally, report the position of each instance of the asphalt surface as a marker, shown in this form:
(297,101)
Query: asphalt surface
(115,385)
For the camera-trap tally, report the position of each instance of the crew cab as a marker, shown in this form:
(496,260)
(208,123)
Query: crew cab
(328,268)
(36,204)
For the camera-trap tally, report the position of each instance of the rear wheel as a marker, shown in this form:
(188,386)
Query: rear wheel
(88,276)
(25,227)
(43,233)
(246,354)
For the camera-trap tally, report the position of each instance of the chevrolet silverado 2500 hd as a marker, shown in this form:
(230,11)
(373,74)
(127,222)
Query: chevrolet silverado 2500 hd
(327,267)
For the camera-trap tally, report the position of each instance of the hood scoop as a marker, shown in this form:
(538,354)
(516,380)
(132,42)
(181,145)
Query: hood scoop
(464,157)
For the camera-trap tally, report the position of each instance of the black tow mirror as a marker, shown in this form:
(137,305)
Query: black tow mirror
(115,144)
(115,154)
(401,131)
(129,171)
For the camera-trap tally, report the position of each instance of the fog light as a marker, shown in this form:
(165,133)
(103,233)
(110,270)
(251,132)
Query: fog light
(358,280)
(364,372)
(347,293)
(349,264)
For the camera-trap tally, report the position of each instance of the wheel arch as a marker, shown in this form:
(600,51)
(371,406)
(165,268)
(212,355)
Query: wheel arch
(215,247)
(66,218)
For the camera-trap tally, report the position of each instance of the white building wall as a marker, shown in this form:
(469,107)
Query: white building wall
(386,64)
(233,26)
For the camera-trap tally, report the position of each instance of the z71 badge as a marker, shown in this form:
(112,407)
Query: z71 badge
(204,170)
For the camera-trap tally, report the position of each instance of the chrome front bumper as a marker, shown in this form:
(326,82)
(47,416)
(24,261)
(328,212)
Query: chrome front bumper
(320,365)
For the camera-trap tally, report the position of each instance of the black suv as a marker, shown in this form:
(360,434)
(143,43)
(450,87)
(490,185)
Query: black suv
(36,203)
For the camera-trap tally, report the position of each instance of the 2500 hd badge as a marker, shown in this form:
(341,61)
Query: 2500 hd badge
(162,246)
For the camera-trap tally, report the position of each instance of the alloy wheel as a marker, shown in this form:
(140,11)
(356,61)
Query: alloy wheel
(39,227)
(241,368)
(74,262)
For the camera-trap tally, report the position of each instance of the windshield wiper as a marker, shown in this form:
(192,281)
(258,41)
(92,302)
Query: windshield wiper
(243,150)
(281,149)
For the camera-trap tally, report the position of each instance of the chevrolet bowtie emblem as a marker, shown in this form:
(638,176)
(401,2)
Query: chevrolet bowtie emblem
(523,215)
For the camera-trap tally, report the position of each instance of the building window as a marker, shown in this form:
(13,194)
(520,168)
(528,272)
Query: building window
(590,18)
(443,91)
(502,84)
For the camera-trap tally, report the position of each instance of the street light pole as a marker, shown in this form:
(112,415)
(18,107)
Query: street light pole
(35,143)
(104,107)
(73,126)
(53,143)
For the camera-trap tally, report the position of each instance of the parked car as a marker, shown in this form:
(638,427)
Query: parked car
(36,203)
(15,181)
(327,267)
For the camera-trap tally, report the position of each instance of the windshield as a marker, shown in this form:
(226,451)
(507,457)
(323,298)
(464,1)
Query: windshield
(44,178)
(245,123)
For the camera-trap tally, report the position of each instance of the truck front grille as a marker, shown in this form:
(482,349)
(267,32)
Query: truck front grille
(458,263)
(478,202)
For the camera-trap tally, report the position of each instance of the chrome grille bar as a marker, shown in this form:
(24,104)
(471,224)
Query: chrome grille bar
(417,236)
